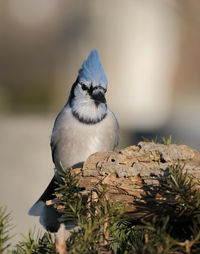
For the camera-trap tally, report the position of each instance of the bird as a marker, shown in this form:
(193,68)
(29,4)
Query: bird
(85,125)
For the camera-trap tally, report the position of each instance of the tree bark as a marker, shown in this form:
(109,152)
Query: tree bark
(128,173)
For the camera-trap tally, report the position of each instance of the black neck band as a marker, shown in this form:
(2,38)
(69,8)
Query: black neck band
(87,121)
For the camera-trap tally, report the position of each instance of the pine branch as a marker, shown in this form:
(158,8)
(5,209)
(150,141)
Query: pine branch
(5,228)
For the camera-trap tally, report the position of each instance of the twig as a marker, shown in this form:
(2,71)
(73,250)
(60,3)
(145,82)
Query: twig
(61,240)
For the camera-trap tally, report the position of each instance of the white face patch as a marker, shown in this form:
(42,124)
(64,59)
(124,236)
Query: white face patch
(85,108)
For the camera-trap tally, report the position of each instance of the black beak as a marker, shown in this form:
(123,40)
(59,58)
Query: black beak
(98,97)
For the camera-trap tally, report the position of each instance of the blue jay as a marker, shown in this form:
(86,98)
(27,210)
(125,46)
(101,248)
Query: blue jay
(84,126)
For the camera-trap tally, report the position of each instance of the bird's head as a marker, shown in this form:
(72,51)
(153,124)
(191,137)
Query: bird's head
(87,97)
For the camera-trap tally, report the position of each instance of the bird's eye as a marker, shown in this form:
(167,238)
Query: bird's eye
(84,87)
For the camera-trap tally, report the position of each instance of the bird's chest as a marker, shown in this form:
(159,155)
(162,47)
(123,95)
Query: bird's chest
(87,139)
(76,141)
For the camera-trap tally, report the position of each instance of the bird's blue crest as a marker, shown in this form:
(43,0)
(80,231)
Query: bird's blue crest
(92,71)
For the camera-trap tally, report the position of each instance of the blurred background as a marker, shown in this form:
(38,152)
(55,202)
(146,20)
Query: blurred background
(151,55)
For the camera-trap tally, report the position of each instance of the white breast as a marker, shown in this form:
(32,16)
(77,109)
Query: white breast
(75,141)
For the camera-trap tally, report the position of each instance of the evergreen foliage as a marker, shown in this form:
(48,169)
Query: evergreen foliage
(170,224)
(156,140)
(90,217)
(5,228)
(40,244)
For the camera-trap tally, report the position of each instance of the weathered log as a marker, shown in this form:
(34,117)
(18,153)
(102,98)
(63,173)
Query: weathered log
(127,173)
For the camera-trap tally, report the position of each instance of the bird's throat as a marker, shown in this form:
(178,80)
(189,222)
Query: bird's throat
(89,112)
